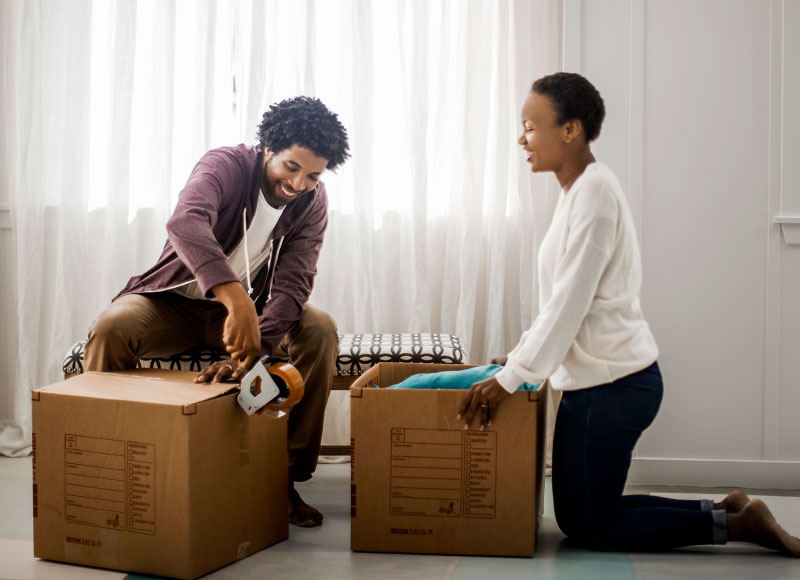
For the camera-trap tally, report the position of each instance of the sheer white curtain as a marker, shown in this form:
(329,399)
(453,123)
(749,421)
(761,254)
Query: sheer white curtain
(434,222)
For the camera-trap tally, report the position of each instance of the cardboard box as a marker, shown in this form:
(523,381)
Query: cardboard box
(420,483)
(145,471)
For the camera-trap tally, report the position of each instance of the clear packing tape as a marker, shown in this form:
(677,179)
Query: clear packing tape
(270,390)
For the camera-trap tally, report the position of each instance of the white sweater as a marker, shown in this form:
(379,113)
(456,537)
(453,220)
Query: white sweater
(590,329)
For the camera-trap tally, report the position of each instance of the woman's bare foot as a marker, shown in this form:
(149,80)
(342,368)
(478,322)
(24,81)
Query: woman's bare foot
(756,524)
(300,513)
(733,503)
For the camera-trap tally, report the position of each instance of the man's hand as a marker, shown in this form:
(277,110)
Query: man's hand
(220,371)
(500,360)
(241,335)
(482,400)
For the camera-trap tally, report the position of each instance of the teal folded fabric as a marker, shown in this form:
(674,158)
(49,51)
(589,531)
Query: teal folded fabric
(456,379)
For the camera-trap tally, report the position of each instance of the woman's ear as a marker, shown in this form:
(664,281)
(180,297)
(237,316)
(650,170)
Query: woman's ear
(571,130)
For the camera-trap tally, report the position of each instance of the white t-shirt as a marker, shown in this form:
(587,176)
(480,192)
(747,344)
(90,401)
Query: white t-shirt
(259,248)
(590,329)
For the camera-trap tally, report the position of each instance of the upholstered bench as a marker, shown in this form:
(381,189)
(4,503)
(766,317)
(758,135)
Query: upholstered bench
(357,353)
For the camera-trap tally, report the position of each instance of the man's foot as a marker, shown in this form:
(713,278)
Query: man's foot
(733,503)
(300,513)
(756,524)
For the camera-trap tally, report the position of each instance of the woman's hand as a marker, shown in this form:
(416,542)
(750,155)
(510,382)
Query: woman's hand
(500,360)
(482,400)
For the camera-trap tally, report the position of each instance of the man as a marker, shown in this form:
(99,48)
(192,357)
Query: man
(237,270)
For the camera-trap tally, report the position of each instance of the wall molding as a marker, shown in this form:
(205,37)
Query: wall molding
(790,225)
(752,474)
(773,283)
(636,115)
(571,36)
(5,217)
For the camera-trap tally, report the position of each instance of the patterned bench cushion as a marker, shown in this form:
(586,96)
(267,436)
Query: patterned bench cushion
(357,353)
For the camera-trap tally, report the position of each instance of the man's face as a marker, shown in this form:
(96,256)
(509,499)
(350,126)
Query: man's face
(290,173)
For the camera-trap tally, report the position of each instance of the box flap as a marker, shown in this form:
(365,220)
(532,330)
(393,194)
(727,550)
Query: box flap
(160,386)
(388,374)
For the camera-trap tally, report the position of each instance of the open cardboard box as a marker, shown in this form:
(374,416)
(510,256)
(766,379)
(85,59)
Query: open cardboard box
(145,471)
(421,483)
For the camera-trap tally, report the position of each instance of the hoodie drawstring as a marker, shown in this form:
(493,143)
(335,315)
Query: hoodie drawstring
(275,262)
(246,253)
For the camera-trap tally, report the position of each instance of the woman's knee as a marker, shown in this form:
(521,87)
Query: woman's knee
(584,529)
(579,532)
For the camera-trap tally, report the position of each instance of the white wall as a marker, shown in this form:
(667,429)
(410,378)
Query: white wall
(703,128)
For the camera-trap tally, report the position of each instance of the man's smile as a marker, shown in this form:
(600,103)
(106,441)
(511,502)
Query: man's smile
(288,192)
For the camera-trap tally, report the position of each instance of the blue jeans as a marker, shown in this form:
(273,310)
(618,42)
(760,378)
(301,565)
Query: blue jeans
(596,431)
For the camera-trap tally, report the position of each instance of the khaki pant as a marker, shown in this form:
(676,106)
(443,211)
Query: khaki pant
(162,324)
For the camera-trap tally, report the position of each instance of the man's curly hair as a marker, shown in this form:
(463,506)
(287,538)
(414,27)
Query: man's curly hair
(307,122)
(574,97)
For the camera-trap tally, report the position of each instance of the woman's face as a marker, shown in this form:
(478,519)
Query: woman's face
(542,139)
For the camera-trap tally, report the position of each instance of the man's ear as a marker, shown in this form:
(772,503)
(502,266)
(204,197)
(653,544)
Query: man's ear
(572,129)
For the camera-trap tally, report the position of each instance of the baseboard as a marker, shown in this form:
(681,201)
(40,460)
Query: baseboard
(715,473)
(335,450)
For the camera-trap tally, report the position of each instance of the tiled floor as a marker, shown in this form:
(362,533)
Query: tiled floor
(324,553)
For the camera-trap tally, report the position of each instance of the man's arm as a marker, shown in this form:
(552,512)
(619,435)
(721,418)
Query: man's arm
(241,334)
(215,179)
(191,227)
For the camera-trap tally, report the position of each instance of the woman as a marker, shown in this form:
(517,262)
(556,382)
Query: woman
(591,340)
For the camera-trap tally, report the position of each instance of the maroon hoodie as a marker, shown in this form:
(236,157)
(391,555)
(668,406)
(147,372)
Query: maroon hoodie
(206,226)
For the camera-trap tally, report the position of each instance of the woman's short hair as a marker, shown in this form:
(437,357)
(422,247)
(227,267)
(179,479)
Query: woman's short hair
(307,122)
(574,97)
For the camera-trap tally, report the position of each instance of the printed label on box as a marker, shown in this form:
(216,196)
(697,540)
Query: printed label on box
(443,473)
(110,483)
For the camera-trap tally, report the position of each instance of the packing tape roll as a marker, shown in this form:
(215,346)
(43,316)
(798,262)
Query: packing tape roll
(293,382)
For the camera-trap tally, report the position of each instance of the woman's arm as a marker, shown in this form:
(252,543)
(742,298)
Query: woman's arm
(591,239)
